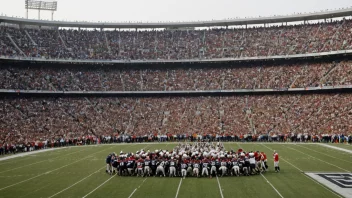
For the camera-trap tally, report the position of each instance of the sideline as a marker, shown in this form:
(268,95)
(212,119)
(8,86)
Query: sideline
(30,153)
(167,143)
(41,161)
(337,148)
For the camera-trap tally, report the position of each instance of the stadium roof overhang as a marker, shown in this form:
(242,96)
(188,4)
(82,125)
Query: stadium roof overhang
(229,22)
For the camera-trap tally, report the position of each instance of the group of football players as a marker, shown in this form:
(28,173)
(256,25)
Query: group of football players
(188,160)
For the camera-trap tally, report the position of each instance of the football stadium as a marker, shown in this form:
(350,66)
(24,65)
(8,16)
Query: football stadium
(236,107)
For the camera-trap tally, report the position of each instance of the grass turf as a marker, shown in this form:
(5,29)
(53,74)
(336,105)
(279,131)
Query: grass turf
(80,172)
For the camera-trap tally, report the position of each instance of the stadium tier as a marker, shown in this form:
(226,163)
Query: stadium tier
(292,74)
(177,118)
(175,44)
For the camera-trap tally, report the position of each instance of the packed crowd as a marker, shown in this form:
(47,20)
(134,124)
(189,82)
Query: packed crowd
(248,76)
(73,121)
(176,44)
(194,160)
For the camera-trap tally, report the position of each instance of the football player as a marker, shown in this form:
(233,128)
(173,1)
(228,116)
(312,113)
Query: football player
(246,166)
(114,164)
(252,163)
(153,165)
(196,166)
(122,166)
(213,171)
(147,170)
(160,168)
(205,168)
(108,163)
(189,168)
(235,167)
(131,165)
(276,162)
(140,163)
(223,167)
(184,165)
(172,172)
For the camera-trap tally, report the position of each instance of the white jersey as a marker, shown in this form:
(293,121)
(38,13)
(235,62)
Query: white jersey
(252,160)
(162,164)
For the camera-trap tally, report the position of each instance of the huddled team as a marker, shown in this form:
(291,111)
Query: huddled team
(190,160)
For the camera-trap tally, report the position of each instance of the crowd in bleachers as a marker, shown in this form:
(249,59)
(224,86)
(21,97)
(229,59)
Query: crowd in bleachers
(176,44)
(98,78)
(72,121)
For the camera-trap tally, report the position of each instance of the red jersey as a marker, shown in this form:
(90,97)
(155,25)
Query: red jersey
(276,157)
(140,163)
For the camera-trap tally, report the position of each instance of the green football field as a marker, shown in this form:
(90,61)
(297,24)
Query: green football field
(80,172)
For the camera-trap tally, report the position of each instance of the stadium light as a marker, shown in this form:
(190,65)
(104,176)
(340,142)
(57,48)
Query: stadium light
(41,5)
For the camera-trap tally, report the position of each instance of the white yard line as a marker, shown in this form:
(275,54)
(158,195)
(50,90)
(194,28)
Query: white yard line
(272,186)
(50,171)
(338,158)
(337,148)
(40,161)
(217,178)
(137,188)
(178,189)
(320,159)
(77,182)
(98,187)
(268,180)
(81,180)
(143,180)
(29,153)
(333,192)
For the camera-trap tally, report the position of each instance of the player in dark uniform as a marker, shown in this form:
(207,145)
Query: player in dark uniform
(241,165)
(167,166)
(229,165)
(122,166)
(130,166)
(114,165)
(246,166)
(108,163)
(147,170)
(153,165)
(217,165)
(172,169)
